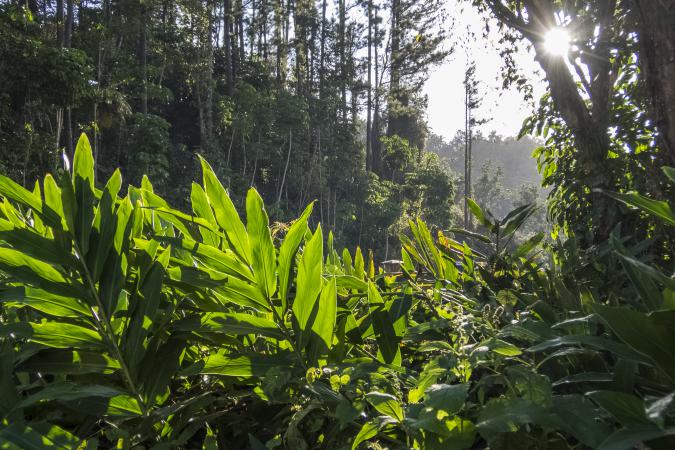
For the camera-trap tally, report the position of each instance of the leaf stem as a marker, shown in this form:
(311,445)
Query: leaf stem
(103,322)
(286,332)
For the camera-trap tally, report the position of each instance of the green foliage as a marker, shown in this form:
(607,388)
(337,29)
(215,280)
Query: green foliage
(126,323)
(148,137)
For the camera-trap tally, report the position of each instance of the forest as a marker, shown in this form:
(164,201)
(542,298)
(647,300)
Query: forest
(229,225)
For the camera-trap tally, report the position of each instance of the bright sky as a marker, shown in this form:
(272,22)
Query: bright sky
(507,109)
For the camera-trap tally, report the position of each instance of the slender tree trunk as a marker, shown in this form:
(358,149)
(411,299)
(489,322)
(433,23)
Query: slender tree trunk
(60,28)
(369,106)
(227,46)
(656,22)
(341,49)
(251,29)
(67,39)
(375,132)
(143,55)
(278,40)
(466,155)
(322,50)
(288,160)
(209,82)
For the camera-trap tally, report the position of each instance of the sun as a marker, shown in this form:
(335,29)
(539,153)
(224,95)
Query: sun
(557,42)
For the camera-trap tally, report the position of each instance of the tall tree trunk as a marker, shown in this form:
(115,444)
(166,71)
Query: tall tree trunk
(656,22)
(278,41)
(209,82)
(143,54)
(70,16)
(227,46)
(60,23)
(341,48)
(252,28)
(240,31)
(376,160)
(369,106)
(67,40)
(467,183)
(322,50)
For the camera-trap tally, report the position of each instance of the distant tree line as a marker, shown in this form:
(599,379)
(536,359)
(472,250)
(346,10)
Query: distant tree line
(305,100)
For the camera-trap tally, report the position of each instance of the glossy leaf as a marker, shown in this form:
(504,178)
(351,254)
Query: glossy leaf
(264,260)
(287,253)
(309,279)
(226,214)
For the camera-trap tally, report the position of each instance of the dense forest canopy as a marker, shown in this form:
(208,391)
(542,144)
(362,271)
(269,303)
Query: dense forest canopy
(532,304)
(304,100)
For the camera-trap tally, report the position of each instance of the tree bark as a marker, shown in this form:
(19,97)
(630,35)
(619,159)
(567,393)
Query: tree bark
(59,23)
(369,106)
(656,25)
(227,45)
(67,42)
(143,55)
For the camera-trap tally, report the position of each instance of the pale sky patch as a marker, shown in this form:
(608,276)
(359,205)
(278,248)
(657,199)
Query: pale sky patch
(507,108)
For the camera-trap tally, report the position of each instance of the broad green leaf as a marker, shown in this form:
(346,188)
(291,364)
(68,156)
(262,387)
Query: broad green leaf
(368,430)
(387,340)
(232,323)
(13,191)
(596,342)
(52,202)
(627,409)
(83,162)
(526,247)
(44,301)
(264,260)
(226,214)
(161,215)
(309,279)
(159,368)
(351,282)
(201,208)
(643,334)
(479,214)
(644,278)
(324,323)
(660,209)
(102,236)
(629,438)
(33,244)
(144,308)
(386,404)
(471,234)
(83,183)
(574,412)
(287,252)
(114,271)
(503,348)
(68,361)
(449,398)
(359,264)
(347,262)
(224,261)
(67,391)
(26,268)
(506,415)
(669,172)
(69,205)
(515,219)
(244,294)
(64,335)
(37,436)
(251,365)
